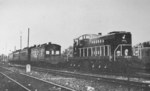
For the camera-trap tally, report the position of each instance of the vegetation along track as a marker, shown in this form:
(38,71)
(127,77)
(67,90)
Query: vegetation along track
(138,82)
(31,83)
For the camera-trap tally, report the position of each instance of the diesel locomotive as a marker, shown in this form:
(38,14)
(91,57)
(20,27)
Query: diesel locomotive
(98,52)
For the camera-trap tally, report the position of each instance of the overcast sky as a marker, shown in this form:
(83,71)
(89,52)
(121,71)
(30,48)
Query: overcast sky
(60,21)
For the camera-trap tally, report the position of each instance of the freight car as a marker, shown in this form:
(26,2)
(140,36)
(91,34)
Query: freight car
(107,53)
(142,51)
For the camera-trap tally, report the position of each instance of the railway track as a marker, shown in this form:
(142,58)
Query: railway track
(105,78)
(9,84)
(112,79)
(30,83)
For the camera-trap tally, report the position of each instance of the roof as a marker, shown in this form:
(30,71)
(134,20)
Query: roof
(94,36)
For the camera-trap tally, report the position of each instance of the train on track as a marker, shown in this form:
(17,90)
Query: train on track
(91,52)
(45,53)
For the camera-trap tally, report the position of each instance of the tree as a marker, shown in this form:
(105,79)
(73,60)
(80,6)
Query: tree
(68,52)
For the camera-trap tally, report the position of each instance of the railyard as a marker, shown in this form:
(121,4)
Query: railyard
(76,83)
(8,84)
(29,82)
(74,45)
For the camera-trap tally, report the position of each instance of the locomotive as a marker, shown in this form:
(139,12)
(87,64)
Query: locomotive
(91,52)
(97,52)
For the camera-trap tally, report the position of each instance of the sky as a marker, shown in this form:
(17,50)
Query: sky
(60,21)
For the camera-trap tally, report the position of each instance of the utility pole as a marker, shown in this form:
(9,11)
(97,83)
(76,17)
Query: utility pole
(28,44)
(14,48)
(21,40)
(28,37)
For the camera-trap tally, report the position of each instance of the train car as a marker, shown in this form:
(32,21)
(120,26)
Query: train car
(16,55)
(10,57)
(25,54)
(45,54)
(38,53)
(50,53)
(94,51)
(142,51)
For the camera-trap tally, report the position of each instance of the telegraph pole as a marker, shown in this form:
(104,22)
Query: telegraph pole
(28,37)
(14,48)
(28,44)
(21,40)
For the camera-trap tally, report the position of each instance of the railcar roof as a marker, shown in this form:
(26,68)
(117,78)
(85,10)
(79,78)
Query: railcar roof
(94,36)
(56,44)
(44,45)
(88,35)
(16,51)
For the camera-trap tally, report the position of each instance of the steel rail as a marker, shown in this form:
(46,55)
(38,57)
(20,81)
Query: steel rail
(15,81)
(67,88)
(97,77)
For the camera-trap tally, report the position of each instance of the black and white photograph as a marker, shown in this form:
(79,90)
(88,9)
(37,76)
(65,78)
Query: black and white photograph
(74,45)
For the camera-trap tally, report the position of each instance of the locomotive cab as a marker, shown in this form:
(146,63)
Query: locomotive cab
(123,45)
